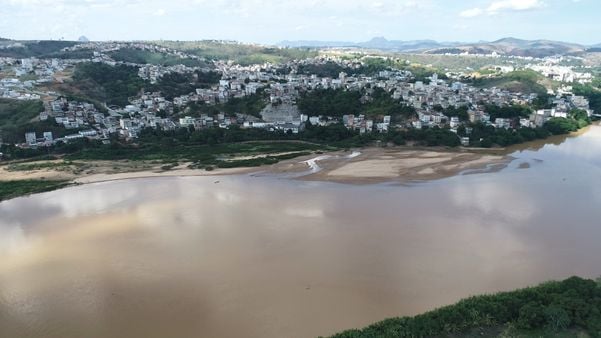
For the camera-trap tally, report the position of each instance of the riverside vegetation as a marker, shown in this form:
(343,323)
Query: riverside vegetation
(11,189)
(561,309)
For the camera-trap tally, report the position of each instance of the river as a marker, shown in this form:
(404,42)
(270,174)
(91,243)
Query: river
(248,256)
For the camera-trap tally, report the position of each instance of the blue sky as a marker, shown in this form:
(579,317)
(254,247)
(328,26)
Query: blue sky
(270,21)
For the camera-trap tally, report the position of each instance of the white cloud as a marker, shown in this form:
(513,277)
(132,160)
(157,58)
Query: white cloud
(514,5)
(497,7)
(470,13)
(159,12)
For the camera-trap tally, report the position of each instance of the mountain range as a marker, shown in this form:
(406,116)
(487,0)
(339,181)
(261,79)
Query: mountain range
(506,46)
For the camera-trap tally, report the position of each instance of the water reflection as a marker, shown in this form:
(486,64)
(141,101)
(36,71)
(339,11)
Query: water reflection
(261,257)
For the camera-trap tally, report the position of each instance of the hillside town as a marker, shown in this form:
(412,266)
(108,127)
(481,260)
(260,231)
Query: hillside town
(429,97)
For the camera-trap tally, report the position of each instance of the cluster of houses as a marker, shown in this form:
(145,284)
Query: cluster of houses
(556,72)
(281,89)
(23,76)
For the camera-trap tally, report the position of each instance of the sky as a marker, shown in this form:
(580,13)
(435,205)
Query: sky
(271,21)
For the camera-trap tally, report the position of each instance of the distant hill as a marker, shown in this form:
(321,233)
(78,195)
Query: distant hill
(515,47)
(40,49)
(506,46)
(594,48)
(379,43)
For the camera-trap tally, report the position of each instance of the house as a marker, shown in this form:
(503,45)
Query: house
(30,138)
(186,121)
(48,136)
(503,123)
(455,122)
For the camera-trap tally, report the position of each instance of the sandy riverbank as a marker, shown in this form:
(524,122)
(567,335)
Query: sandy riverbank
(83,172)
(370,165)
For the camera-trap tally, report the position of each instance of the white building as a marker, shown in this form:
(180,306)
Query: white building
(48,136)
(30,138)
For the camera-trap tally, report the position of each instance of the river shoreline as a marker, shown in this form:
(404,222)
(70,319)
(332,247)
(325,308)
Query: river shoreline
(370,165)
(227,255)
(353,167)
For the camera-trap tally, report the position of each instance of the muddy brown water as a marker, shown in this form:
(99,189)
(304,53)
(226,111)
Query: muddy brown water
(274,257)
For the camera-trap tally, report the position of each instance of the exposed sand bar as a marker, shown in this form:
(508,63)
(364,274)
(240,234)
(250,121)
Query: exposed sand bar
(381,165)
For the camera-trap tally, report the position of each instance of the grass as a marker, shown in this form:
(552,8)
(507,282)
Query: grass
(41,165)
(12,189)
(204,153)
(259,161)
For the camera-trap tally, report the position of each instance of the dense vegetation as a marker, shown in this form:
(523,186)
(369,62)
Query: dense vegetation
(200,144)
(111,84)
(16,112)
(507,112)
(592,92)
(12,189)
(524,81)
(429,137)
(548,309)
(239,53)
(39,49)
(139,56)
(460,112)
(327,69)
(338,102)
(116,84)
(176,84)
(208,145)
(370,67)
(16,134)
(250,105)
(488,136)
(330,102)
(17,117)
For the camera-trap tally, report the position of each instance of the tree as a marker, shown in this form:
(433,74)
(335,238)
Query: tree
(557,318)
